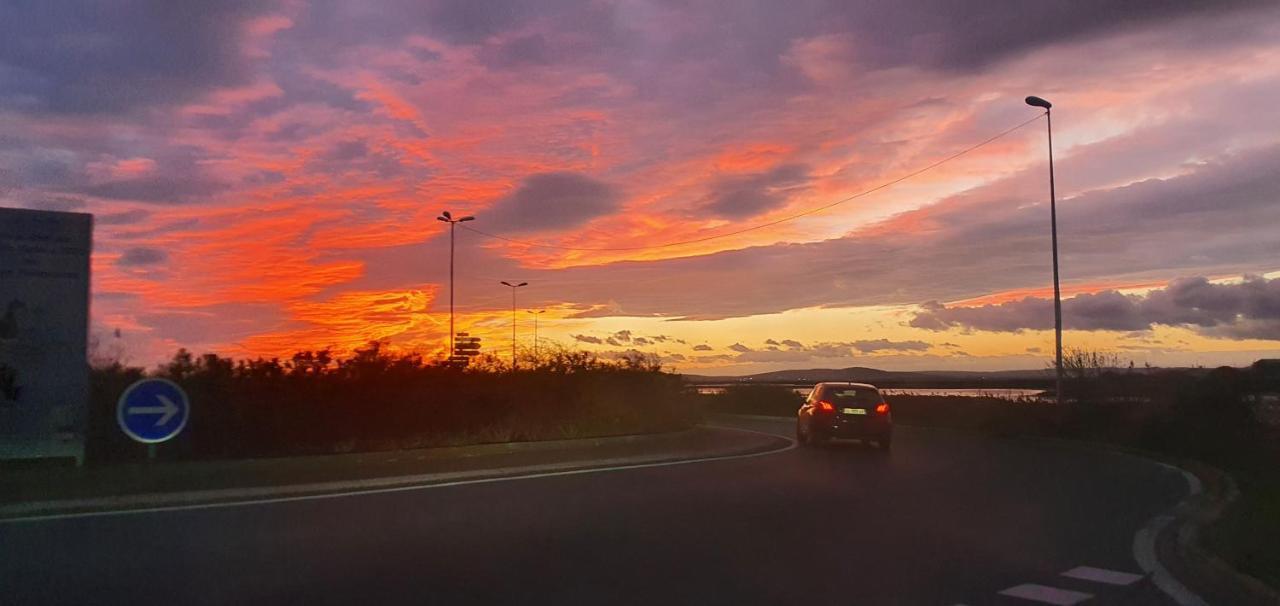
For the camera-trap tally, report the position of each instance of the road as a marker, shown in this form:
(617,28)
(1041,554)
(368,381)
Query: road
(945,519)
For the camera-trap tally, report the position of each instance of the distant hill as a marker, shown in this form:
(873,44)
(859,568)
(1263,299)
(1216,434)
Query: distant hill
(874,375)
(928,378)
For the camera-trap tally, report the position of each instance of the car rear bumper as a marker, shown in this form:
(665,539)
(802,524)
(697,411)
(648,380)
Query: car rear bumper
(853,429)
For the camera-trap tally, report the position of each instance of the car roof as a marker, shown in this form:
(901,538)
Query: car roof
(846,384)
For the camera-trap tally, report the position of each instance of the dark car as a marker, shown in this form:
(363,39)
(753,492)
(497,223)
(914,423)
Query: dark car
(854,411)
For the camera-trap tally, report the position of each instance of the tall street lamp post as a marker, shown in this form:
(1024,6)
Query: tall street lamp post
(448,218)
(513,319)
(536,313)
(1053,226)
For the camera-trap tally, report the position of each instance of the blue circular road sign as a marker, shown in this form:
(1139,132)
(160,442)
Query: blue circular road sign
(152,410)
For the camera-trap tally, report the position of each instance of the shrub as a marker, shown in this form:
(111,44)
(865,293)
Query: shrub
(771,400)
(315,402)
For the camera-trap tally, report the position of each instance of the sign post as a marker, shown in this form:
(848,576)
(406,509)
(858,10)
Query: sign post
(465,347)
(152,411)
(44,327)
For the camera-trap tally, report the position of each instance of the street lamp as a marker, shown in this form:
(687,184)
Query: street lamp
(1053,226)
(536,313)
(513,319)
(448,218)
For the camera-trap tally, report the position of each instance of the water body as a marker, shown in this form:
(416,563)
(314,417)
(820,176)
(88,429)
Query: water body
(967,392)
(976,392)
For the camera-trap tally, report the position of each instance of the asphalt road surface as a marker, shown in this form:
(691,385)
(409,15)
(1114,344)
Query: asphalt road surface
(945,519)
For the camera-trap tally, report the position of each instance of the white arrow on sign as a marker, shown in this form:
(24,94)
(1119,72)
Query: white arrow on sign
(166,410)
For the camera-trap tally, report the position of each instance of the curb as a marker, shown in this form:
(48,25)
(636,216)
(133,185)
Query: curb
(1171,539)
(234,497)
(1183,545)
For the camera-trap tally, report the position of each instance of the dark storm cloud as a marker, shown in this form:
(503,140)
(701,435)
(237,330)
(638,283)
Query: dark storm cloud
(178,174)
(826,350)
(127,217)
(160,229)
(970,35)
(301,88)
(830,350)
(741,196)
(873,345)
(193,327)
(549,201)
(142,255)
(356,156)
(467,21)
(160,188)
(347,151)
(525,50)
(108,57)
(1250,309)
(328,24)
(57,203)
(801,354)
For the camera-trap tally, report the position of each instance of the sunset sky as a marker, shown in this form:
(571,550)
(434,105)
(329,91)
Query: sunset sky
(266,176)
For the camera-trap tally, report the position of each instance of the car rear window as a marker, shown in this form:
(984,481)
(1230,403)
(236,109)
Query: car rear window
(861,396)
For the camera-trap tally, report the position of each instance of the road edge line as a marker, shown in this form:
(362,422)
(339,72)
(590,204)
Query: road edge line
(337,491)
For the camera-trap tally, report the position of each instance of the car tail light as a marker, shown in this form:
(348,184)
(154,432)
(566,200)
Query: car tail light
(825,406)
(882,408)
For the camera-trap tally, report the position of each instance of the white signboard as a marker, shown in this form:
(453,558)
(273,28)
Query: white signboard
(44,322)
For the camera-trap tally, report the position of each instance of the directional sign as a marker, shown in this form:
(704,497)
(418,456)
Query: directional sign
(152,410)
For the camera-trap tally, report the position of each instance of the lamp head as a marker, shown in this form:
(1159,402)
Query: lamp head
(1035,101)
(446,215)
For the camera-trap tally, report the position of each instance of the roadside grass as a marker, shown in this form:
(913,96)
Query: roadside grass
(765,400)
(1249,532)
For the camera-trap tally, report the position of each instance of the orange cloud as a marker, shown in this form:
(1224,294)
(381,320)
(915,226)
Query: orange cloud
(352,319)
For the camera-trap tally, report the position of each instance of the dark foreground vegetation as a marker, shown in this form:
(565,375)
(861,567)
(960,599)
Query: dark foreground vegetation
(315,403)
(1210,417)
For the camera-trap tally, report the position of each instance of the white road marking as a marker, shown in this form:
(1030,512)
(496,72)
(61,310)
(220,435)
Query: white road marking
(1144,551)
(350,493)
(1102,575)
(1047,594)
